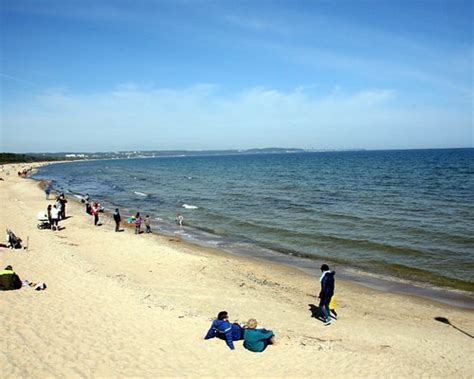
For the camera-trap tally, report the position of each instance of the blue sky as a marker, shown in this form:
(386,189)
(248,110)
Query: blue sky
(126,75)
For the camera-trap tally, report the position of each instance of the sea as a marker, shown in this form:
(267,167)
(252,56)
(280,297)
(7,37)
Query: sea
(399,219)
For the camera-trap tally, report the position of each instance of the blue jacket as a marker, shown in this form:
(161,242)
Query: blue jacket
(327,286)
(224,330)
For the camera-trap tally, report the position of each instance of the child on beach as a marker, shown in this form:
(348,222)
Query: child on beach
(179,219)
(138,223)
(147,224)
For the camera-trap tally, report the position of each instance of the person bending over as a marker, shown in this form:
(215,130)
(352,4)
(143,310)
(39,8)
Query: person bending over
(223,329)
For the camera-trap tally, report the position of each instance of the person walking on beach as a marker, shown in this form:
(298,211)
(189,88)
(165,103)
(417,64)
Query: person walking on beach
(59,207)
(138,223)
(47,190)
(147,224)
(95,213)
(117,219)
(54,218)
(326,293)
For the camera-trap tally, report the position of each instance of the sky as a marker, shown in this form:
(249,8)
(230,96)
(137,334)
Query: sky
(84,76)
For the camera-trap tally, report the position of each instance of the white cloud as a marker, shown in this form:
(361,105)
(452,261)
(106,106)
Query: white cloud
(200,117)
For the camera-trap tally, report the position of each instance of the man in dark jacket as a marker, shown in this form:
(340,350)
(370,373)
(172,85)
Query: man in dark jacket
(117,219)
(223,329)
(9,280)
(327,291)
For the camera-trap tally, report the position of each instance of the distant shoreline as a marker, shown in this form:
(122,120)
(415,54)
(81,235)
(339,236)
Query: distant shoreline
(136,154)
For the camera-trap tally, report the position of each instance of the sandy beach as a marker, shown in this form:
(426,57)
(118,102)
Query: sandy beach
(121,305)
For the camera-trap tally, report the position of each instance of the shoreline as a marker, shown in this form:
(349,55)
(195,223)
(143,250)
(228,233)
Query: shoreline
(123,305)
(379,281)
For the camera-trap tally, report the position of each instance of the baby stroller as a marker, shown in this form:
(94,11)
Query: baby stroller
(43,221)
(13,242)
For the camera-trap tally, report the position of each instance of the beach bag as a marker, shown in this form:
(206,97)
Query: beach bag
(332,303)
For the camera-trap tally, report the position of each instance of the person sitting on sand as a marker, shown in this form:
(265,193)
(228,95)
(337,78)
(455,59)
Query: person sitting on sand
(257,340)
(326,293)
(9,280)
(223,329)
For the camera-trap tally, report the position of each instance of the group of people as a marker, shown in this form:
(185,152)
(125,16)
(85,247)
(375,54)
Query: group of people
(137,220)
(93,209)
(57,211)
(255,340)
(24,173)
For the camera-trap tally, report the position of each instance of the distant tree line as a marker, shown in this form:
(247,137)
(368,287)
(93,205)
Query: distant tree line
(26,158)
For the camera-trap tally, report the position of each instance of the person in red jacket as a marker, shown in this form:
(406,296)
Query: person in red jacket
(95,213)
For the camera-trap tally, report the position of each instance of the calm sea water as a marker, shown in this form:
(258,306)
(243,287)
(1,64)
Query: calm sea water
(407,214)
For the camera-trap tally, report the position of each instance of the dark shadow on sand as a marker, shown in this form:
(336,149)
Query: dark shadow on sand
(444,320)
(316,312)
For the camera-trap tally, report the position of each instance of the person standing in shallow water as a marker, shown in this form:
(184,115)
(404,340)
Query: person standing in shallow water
(117,219)
(326,293)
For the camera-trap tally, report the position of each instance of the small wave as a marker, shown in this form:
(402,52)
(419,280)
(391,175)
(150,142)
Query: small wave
(140,193)
(190,206)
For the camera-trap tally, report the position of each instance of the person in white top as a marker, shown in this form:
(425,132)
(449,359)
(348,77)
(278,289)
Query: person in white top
(54,218)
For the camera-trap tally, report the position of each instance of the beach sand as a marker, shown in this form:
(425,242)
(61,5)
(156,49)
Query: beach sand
(122,305)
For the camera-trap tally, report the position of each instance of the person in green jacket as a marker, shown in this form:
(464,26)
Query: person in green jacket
(257,340)
(9,280)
